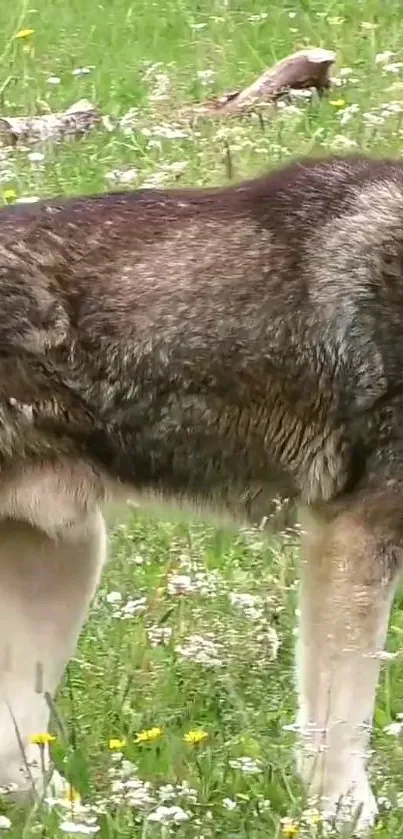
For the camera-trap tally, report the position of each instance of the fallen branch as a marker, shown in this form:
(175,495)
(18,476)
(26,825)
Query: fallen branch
(303,69)
(76,121)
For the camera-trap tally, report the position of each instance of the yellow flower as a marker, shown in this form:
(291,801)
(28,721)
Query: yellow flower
(196,736)
(42,739)
(9,195)
(71,794)
(337,103)
(115,743)
(149,735)
(289,828)
(24,33)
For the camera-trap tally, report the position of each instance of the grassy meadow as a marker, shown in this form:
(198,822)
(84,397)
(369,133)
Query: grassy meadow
(173,718)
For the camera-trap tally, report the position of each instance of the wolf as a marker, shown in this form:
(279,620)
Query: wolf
(215,346)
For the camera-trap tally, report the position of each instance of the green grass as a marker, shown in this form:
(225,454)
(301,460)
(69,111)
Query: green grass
(119,683)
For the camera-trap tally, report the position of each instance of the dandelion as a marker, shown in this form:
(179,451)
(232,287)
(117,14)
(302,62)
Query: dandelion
(195,736)
(71,795)
(22,34)
(149,735)
(9,195)
(337,103)
(115,744)
(43,739)
(312,817)
(289,828)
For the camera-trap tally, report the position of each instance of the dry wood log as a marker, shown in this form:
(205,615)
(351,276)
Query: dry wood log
(74,122)
(303,69)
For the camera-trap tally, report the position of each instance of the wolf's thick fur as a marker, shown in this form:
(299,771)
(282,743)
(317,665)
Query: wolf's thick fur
(219,345)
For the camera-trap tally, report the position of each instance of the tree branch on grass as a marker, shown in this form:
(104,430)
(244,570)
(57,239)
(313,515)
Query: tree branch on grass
(74,122)
(307,68)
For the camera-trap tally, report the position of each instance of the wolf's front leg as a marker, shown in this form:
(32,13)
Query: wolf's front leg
(349,575)
(45,588)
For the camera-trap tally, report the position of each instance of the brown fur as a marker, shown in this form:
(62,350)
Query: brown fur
(222,346)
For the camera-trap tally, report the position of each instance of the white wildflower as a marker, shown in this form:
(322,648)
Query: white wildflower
(162,84)
(78,829)
(293,726)
(340,142)
(229,804)
(391,108)
(251,605)
(382,655)
(180,584)
(55,80)
(156,180)
(201,650)
(169,792)
(165,131)
(197,27)
(124,611)
(27,199)
(129,121)
(248,765)
(261,16)
(134,791)
(383,57)
(373,119)
(5,823)
(268,635)
(134,607)
(177,167)
(36,157)
(301,94)
(202,582)
(289,110)
(122,176)
(347,113)
(113,597)
(168,815)
(159,635)
(81,71)
(395,728)
(205,76)
(393,68)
